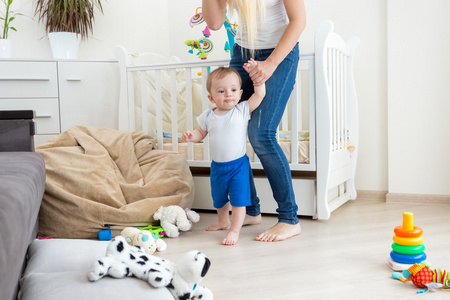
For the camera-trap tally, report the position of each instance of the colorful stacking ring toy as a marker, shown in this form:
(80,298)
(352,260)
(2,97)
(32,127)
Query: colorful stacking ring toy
(408,249)
(408,258)
(408,241)
(408,233)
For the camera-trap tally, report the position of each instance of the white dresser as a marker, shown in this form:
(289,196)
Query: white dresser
(63,93)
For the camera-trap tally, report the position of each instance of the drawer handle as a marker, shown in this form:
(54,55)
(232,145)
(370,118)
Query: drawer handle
(42,116)
(73,79)
(24,79)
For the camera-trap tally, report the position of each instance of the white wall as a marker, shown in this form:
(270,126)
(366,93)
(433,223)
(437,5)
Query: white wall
(367,20)
(419,96)
(139,25)
(162,27)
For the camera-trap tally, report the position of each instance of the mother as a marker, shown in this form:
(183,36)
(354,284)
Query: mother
(268,32)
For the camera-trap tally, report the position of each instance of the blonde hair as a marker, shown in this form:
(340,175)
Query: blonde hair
(249,11)
(219,73)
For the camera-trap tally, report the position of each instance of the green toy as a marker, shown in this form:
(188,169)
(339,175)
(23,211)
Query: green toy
(155,230)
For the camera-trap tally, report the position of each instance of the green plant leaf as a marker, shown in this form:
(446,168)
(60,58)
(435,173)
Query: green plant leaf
(68,15)
(7,17)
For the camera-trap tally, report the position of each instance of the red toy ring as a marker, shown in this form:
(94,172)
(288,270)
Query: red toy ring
(400,232)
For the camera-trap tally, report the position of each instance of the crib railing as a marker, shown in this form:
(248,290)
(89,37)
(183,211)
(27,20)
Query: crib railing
(295,118)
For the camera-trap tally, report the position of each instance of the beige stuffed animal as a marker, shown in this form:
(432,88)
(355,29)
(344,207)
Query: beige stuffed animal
(144,239)
(174,218)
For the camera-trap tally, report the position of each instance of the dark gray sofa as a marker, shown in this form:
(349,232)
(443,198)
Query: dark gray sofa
(22,184)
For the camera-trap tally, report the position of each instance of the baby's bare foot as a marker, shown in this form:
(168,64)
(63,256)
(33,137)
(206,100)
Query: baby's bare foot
(231,238)
(251,220)
(218,226)
(279,232)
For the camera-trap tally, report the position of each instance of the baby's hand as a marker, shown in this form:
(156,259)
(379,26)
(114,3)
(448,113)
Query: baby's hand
(250,65)
(187,135)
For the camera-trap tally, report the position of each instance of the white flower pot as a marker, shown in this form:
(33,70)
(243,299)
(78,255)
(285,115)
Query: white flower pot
(64,44)
(6,48)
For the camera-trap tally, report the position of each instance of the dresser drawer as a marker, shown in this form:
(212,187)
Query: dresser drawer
(28,79)
(47,112)
(39,139)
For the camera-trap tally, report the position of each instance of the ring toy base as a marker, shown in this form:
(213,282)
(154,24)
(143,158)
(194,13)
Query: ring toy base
(396,266)
(408,259)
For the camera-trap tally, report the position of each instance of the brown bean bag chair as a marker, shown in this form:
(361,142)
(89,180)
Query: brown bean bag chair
(99,177)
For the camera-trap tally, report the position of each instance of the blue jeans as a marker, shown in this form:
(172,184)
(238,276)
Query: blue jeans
(263,126)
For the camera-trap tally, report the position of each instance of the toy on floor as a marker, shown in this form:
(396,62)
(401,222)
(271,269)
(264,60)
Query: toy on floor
(182,279)
(104,235)
(144,239)
(408,247)
(423,277)
(156,230)
(174,218)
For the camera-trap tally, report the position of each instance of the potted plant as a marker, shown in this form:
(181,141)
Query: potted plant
(70,20)
(6,45)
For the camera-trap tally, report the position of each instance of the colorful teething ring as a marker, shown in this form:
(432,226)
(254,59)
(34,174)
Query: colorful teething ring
(408,241)
(408,249)
(408,259)
(416,232)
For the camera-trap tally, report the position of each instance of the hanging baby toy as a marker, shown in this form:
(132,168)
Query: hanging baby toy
(231,33)
(204,45)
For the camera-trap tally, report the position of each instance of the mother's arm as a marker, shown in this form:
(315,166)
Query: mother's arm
(214,12)
(295,10)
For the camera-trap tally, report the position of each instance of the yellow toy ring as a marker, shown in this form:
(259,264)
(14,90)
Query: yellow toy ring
(408,241)
(416,232)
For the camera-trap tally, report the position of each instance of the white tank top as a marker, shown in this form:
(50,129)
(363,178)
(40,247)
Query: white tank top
(269,31)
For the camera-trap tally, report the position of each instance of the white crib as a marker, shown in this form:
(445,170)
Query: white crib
(164,97)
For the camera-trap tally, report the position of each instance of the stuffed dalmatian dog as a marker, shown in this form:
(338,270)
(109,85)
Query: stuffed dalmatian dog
(123,260)
(189,271)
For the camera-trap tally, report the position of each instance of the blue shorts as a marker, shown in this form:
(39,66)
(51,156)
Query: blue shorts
(230,178)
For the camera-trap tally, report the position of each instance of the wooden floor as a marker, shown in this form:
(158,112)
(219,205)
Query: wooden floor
(342,258)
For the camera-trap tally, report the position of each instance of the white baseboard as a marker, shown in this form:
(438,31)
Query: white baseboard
(417,198)
(371,195)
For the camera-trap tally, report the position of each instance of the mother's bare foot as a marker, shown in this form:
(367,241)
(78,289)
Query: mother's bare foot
(279,232)
(251,220)
(219,226)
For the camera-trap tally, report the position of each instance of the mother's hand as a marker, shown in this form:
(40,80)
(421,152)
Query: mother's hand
(262,72)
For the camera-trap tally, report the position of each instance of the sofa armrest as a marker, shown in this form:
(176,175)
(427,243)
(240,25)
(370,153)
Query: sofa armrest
(22,185)
(17,130)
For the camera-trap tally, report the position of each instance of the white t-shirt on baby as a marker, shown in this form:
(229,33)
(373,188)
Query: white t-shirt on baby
(227,132)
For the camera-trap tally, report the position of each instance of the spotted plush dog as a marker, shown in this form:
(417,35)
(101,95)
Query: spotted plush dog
(189,271)
(123,260)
